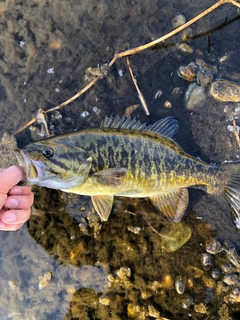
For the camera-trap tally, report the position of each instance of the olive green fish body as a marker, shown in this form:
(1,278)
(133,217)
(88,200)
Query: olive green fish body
(155,164)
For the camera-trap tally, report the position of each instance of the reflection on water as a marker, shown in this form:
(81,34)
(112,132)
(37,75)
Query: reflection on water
(73,267)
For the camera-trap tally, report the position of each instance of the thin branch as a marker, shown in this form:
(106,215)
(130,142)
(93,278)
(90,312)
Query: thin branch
(140,95)
(88,86)
(235,131)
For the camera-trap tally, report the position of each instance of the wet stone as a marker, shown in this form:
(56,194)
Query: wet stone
(175,235)
(213,246)
(226,91)
(223,287)
(203,78)
(185,48)
(216,274)
(178,20)
(231,279)
(200,308)
(180,284)
(207,259)
(188,302)
(227,267)
(235,295)
(186,73)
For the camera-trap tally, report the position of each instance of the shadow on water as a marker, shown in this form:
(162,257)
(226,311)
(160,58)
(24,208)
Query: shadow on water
(134,266)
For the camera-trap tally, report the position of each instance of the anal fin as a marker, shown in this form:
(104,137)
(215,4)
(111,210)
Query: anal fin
(103,205)
(172,205)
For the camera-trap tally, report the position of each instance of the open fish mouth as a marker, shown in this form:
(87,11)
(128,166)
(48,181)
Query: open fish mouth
(27,165)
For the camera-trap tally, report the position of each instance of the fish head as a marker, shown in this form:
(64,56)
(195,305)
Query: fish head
(54,165)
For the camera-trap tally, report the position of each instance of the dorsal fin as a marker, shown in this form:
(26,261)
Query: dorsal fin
(166,127)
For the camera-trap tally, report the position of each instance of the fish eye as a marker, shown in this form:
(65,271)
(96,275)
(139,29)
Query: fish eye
(48,152)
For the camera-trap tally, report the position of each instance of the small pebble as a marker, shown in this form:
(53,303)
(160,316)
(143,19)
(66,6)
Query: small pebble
(50,70)
(176,91)
(158,94)
(167,104)
(186,73)
(134,230)
(95,109)
(185,48)
(207,259)
(84,114)
(213,246)
(180,284)
(178,20)
(186,34)
(227,267)
(231,279)
(216,274)
(120,73)
(12,284)
(188,302)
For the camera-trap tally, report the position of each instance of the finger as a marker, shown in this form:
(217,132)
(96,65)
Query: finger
(10,227)
(15,216)
(20,190)
(1,170)
(9,178)
(19,202)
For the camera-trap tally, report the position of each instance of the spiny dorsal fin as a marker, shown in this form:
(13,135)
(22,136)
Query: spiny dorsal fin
(172,205)
(166,127)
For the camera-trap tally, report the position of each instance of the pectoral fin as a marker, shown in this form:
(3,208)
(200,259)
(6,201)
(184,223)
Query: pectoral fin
(103,205)
(111,176)
(172,205)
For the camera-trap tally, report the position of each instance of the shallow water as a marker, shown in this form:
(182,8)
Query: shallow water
(106,271)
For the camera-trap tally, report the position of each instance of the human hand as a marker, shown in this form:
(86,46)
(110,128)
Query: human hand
(15,201)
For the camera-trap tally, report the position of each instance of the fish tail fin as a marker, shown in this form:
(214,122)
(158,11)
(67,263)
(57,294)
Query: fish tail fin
(229,174)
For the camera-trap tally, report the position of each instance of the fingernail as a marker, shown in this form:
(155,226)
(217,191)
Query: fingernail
(9,217)
(12,203)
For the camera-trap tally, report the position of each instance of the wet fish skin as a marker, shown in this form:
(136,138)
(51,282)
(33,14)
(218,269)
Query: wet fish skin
(127,158)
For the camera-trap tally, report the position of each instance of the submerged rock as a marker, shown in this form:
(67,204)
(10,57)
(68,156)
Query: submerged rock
(175,235)
(195,96)
(223,90)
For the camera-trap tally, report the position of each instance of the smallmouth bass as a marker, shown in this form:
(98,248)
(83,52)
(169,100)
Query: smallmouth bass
(127,158)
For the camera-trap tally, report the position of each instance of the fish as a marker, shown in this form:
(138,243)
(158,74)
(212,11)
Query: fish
(127,158)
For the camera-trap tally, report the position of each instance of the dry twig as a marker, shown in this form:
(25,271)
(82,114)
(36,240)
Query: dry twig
(149,225)
(140,95)
(235,131)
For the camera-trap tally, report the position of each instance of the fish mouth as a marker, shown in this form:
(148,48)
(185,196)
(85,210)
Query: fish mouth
(27,166)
